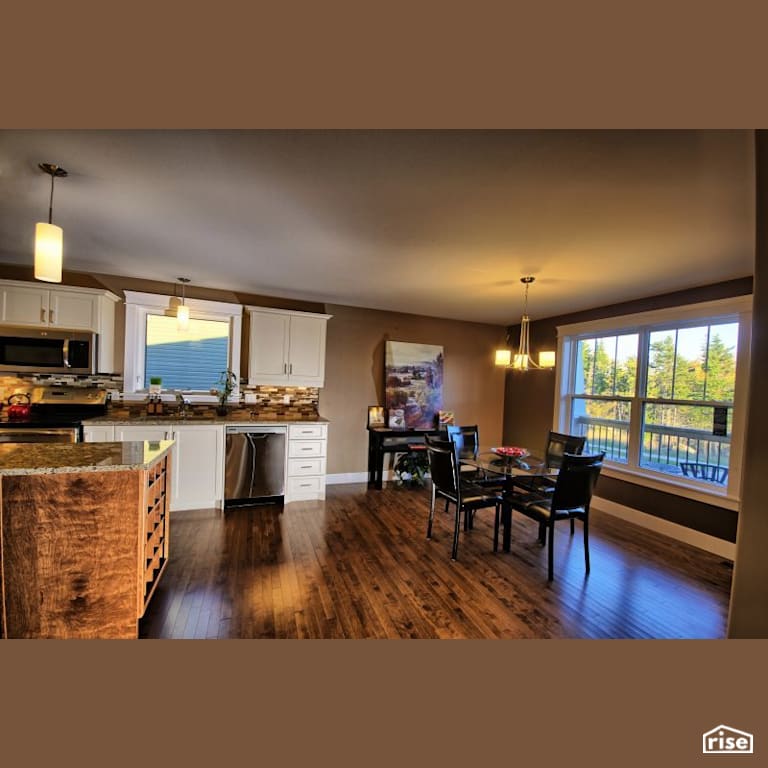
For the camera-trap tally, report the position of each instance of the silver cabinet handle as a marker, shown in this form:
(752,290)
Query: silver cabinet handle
(50,317)
(306,449)
(42,314)
(290,368)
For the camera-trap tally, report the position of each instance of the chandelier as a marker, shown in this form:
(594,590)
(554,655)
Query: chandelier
(523,360)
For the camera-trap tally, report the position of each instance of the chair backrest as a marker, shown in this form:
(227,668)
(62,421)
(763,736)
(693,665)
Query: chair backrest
(576,480)
(558,444)
(465,439)
(443,466)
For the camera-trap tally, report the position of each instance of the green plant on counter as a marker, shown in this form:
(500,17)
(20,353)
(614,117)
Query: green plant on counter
(412,469)
(227,383)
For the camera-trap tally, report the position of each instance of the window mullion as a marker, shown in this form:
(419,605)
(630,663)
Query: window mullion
(638,400)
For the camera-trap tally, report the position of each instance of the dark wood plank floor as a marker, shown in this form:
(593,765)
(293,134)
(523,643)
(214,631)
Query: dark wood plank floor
(358,566)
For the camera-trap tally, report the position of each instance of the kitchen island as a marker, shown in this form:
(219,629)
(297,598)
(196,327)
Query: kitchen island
(83,536)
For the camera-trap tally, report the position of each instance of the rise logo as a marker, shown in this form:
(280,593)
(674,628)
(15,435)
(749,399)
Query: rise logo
(724,740)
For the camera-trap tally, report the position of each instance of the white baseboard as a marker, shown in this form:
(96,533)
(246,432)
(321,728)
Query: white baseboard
(347,477)
(355,477)
(725,549)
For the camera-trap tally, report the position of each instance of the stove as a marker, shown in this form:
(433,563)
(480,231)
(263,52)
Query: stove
(55,415)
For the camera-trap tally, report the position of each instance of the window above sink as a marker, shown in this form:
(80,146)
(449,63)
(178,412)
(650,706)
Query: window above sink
(187,360)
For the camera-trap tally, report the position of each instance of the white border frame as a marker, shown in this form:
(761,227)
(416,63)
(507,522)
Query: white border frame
(739,307)
(138,305)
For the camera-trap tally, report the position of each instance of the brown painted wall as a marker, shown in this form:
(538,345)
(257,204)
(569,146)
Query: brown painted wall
(529,408)
(749,593)
(354,375)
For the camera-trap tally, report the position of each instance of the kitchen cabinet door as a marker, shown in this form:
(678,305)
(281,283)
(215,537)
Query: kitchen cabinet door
(198,466)
(25,306)
(143,432)
(306,351)
(268,348)
(98,433)
(68,309)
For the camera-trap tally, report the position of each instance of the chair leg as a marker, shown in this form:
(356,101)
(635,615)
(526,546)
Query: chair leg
(542,534)
(455,550)
(551,553)
(586,541)
(573,528)
(431,513)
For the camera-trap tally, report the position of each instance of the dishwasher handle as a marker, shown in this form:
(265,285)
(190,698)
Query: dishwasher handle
(254,430)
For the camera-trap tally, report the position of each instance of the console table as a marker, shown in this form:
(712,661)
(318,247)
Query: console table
(383,440)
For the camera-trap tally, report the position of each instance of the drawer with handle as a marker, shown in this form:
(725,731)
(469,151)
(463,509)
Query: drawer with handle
(306,467)
(299,448)
(305,486)
(306,431)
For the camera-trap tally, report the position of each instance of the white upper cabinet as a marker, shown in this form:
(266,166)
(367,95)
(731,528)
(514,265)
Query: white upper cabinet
(286,347)
(24,306)
(77,309)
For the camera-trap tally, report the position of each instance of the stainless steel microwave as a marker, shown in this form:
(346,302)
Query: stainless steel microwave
(43,350)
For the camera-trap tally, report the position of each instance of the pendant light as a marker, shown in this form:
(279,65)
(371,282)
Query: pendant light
(182,311)
(49,239)
(522,361)
(178,308)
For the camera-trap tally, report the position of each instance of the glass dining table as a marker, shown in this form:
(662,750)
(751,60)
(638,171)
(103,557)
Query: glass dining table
(508,468)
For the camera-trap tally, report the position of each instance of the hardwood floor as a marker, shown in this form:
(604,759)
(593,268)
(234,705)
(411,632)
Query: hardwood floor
(359,566)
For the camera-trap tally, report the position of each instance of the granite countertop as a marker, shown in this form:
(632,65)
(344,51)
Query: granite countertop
(47,458)
(174,418)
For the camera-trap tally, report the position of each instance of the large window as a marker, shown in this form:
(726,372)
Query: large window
(658,392)
(189,360)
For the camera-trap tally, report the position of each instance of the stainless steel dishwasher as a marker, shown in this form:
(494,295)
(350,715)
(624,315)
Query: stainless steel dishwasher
(254,465)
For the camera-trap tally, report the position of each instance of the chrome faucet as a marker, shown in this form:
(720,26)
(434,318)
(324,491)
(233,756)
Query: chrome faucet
(182,402)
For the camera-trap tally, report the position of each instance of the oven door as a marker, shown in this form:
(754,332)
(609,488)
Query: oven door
(39,434)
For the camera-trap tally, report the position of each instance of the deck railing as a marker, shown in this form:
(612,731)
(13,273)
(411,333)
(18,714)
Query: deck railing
(664,448)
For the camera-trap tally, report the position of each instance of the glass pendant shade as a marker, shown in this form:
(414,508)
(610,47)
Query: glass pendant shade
(182,317)
(546,359)
(49,247)
(503,357)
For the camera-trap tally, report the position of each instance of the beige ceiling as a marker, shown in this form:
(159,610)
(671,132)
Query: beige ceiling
(439,223)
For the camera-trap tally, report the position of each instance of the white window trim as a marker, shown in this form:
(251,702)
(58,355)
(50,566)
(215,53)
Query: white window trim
(739,307)
(138,305)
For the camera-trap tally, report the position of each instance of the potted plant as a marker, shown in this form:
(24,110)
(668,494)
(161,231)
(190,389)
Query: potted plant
(227,383)
(155,385)
(412,469)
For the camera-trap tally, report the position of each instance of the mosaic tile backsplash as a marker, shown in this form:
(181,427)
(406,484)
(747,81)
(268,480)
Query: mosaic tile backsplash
(263,400)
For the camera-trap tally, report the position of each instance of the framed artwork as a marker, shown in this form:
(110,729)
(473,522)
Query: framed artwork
(414,382)
(375,416)
(445,417)
(396,418)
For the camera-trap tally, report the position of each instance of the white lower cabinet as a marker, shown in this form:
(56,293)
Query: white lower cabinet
(197,468)
(143,432)
(307,451)
(197,477)
(99,433)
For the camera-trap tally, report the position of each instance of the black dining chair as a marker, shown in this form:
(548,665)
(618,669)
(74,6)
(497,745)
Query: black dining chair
(467,498)
(558,444)
(466,439)
(569,500)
